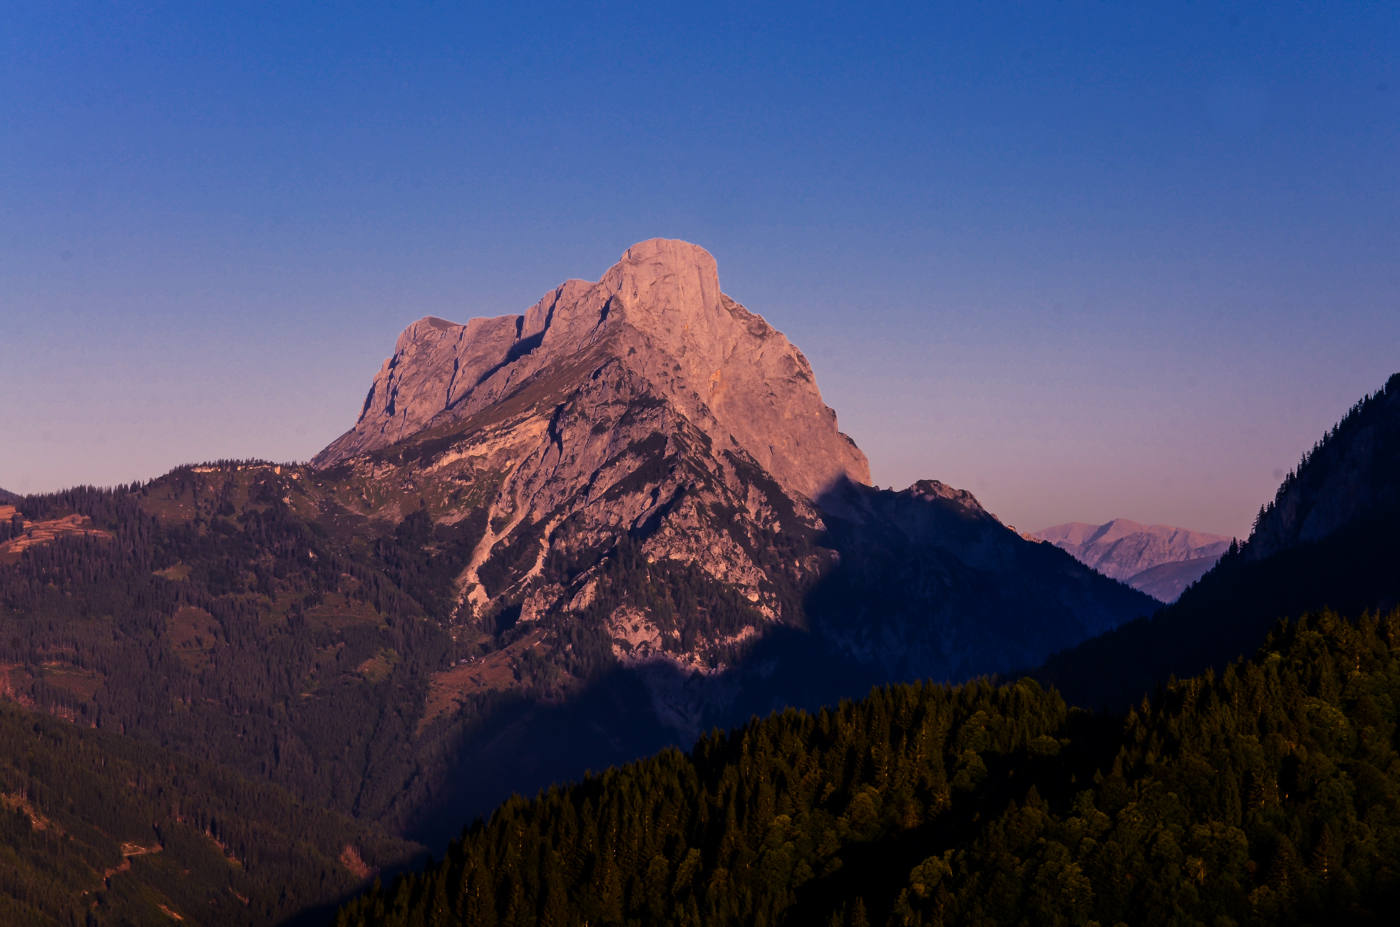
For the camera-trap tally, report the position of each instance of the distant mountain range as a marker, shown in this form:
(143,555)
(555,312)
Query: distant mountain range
(1159,560)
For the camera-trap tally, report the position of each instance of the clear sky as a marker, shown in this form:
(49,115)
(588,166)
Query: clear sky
(1087,260)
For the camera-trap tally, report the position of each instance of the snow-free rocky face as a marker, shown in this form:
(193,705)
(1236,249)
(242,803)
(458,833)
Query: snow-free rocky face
(657,314)
(643,462)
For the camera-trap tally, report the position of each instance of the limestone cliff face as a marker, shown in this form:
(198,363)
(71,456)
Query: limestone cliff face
(660,314)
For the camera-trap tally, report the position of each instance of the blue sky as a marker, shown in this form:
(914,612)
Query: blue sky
(1087,260)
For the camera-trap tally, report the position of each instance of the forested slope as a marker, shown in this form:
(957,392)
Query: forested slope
(213,617)
(1268,794)
(99,829)
(1326,540)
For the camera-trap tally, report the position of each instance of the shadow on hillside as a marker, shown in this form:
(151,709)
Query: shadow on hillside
(891,610)
(524,748)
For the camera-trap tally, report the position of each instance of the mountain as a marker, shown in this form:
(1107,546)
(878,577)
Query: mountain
(1264,795)
(551,542)
(1165,582)
(1157,559)
(656,475)
(1326,540)
(654,329)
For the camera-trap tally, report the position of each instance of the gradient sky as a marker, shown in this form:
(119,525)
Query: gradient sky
(1087,260)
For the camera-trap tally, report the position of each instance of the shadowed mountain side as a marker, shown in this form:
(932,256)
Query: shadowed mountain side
(925,585)
(1226,614)
(8,498)
(528,746)
(930,585)
(1350,474)
(1327,540)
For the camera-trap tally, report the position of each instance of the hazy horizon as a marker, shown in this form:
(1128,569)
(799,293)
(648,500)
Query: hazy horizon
(1088,263)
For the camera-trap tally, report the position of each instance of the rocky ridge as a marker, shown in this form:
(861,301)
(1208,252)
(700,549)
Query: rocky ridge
(659,314)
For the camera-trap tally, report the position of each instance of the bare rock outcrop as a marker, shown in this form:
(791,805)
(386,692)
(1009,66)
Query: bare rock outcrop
(660,313)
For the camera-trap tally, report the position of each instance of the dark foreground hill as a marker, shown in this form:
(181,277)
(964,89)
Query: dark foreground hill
(1327,540)
(1265,795)
(99,829)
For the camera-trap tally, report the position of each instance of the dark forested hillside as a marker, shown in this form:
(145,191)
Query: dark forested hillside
(1268,794)
(208,615)
(1327,540)
(100,829)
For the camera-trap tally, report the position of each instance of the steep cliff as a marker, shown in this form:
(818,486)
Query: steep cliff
(659,315)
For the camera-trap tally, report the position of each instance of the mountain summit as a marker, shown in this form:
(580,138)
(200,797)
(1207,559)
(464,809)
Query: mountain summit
(659,314)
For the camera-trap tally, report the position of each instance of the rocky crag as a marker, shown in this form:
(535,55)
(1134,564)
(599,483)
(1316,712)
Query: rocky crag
(1159,560)
(650,464)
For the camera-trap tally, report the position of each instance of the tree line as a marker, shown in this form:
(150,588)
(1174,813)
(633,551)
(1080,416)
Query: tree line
(1267,794)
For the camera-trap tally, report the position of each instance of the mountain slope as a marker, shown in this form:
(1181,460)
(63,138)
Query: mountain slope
(1167,581)
(1315,546)
(563,544)
(99,829)
(1263,796)
(1126,550)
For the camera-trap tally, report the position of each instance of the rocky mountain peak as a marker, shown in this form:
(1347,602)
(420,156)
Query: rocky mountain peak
(640,473)
(659,312)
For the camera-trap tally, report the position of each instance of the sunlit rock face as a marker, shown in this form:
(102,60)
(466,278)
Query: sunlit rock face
(659,315)
(657,484)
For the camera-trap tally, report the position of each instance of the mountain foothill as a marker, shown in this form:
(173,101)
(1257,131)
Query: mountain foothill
(577,545)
